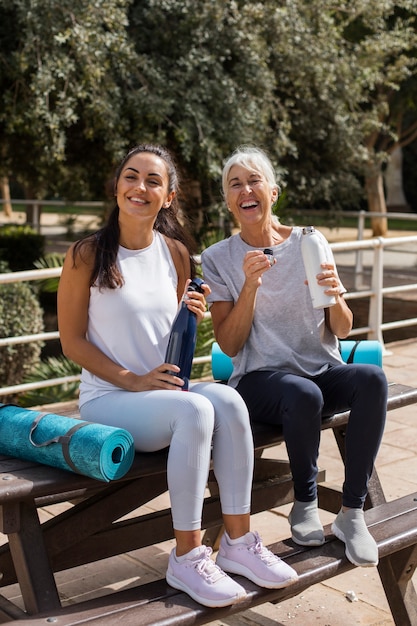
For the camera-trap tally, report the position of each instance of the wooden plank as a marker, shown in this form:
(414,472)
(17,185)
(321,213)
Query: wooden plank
(156,604)
(36,580)
(396,571)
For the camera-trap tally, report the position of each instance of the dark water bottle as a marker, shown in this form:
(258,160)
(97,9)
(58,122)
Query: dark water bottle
(181,344)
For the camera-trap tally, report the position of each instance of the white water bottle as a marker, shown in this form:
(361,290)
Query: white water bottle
(315,251)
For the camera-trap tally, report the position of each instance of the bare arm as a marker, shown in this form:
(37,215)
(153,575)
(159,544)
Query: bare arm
(232,322)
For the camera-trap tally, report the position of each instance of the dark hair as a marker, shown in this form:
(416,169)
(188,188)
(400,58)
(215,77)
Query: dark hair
(105,273)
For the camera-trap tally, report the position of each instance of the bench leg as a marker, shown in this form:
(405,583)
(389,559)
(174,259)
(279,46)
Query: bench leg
(396,572)
(31,562)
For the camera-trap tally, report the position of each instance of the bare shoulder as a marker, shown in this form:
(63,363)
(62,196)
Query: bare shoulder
(81,254)
(179,253)
(283,230)
(181,257)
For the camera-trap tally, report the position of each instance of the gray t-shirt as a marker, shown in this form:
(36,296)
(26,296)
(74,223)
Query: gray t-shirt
(287,333)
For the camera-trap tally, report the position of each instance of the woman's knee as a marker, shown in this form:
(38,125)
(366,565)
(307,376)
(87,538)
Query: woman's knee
(195,415)
(303,400)
(371,380)
(229,406)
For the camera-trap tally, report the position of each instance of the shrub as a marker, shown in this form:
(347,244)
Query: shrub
(53,367)
(20,246)
(20,314)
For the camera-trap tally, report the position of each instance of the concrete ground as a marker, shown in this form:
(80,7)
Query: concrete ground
(324,604)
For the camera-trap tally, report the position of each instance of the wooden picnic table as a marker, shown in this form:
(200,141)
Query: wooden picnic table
(92,528)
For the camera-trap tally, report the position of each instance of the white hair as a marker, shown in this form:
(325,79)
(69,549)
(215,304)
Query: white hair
(250,158)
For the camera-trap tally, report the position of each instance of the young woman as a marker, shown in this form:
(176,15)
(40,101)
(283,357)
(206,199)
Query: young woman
(118,296)
(287,366)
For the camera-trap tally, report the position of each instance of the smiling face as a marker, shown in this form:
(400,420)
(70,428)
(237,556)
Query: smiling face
(249,195)
(142,188)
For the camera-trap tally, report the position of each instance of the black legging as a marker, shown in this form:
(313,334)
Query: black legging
(299,404)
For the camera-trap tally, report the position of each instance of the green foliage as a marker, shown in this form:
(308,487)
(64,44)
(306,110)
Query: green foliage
(327,88)
(62,117)
(50,260)
(20,246)
(205,338)
(53,367)
(20,314)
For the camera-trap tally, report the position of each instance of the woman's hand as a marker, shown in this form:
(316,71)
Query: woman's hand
(255,263)
(330,280)
(196,301)
(162,377)
(339,317)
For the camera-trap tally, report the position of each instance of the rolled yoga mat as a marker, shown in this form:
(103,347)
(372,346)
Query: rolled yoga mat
(361,351)
(102,452)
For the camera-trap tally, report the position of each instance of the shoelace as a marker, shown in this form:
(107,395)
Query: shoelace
(207,568)
(268,557)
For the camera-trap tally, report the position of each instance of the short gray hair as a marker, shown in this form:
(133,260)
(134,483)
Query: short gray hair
(251,158)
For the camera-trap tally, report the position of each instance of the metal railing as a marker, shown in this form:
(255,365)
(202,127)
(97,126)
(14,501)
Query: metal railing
(376,293)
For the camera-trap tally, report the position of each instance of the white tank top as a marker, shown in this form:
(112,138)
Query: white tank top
(131,324)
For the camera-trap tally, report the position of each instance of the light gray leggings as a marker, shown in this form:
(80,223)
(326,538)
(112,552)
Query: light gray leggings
(209,418)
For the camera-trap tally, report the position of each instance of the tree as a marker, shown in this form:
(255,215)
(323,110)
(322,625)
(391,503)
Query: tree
(63,65)
(344,73)
(208,87)
(326,88)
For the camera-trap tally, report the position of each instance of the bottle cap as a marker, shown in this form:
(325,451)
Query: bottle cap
(308,229)
(269,253)
(195,284)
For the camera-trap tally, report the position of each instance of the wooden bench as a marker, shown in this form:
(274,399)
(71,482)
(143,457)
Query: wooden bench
(91,530)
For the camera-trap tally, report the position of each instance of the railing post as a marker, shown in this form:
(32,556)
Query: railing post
(36,217)
(376,300)
(359,253)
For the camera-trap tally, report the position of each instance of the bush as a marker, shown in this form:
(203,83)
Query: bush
(20,314)
(53,367)
(20,246)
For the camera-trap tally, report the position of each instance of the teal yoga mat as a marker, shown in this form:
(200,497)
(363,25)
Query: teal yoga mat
(361,351)
(102,452)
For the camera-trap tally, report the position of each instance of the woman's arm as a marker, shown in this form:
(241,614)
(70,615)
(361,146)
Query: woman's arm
(232,322)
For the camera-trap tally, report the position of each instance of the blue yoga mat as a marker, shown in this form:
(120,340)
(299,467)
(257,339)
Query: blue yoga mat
(102,452)
(361,351)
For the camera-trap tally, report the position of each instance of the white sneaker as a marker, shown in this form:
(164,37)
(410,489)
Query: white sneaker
(196,574)
(249,557)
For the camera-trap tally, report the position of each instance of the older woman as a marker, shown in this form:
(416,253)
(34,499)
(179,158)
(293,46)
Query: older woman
(287,365)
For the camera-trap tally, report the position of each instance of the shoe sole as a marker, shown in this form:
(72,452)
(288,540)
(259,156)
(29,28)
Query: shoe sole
(231,567)
(178,584)
(341,536)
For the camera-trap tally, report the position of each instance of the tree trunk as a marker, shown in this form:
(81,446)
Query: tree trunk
(33,211)
(376,199)
(396,200)
(5,193)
